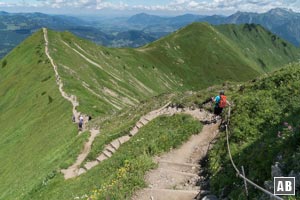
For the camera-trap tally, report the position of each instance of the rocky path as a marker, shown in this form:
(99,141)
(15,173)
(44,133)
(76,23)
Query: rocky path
(178,171)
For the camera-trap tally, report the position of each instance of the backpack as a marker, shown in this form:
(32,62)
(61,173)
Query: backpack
(222,102)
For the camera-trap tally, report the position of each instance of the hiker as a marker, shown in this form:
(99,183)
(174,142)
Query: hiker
(90,117)
(81,118)
(80,124)
(220,103)
(73,118)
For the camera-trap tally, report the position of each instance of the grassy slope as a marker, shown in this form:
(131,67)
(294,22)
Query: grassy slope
(255,41)
(37,138)
(194,57)
(120,175)
(201,56)
(260,110)
(35,121)
(123,74)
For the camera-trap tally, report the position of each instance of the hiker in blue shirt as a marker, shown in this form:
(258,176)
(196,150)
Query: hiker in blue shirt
(220,103)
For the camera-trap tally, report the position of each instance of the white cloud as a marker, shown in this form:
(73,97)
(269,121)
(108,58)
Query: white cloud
(175,5)
(4,4)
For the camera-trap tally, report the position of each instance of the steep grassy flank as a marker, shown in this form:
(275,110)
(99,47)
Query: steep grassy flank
(36,135)
(119,176)
(201,56)
(255,41)
(264,130)
(115,78)
(195,57)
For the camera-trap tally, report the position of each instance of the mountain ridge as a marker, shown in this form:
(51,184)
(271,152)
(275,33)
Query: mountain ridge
(106,82)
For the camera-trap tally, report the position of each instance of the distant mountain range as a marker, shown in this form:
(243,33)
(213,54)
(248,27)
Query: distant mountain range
(15,27)
(139,29)
(285,23)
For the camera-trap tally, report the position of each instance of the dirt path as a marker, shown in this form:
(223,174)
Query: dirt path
(70,98)
(111,148)
(178,170)
(177,173)
(73,169)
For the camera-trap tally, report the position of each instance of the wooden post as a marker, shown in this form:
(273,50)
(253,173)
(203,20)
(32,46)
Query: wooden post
(245,183)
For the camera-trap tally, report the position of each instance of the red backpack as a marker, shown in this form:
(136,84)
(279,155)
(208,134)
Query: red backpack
(222,102)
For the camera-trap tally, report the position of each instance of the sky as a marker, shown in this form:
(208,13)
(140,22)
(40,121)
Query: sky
(168,7)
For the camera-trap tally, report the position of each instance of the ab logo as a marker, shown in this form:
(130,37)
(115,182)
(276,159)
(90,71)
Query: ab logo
(284,185)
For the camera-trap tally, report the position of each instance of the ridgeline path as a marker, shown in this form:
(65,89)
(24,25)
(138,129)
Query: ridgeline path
(69,173)
(178,170)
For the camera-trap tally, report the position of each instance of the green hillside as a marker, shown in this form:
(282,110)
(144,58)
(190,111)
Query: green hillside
(264,130)
(255,41)
(115,86)
(36,133)
(195,57)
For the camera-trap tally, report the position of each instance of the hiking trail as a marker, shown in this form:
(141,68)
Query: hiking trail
(113,146)
(178,170)
(71,98)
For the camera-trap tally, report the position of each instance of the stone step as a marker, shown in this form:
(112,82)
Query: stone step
(164,194)
(110,149)
(81,171)
(90,165)
(144,121)
(101,157)
(107,153)
(115,144)
(139,125)
(180,167)
(134,131)
(124,139)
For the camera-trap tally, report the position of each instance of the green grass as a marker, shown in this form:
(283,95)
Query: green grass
(37,135)
(192,58)
(38,139)
(260,111)
(119,176)
(122,122)
(255,41)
